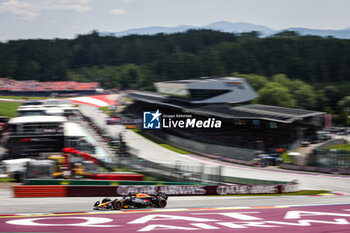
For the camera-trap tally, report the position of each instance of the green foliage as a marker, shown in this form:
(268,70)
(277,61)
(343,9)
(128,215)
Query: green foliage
(344,103)
(305,95)
(282,79)
(181,55)
(124,77)
(276,94)
(333,94)
(256,81)
(287,34)
(342,118)
(308,71)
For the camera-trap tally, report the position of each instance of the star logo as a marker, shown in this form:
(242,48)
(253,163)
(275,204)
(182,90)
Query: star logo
(156,115)
(152,120)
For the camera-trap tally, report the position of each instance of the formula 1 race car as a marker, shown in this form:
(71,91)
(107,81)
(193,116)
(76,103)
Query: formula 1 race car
(139,200)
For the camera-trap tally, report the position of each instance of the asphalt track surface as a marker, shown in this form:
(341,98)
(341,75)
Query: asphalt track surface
(284,219)
(11,205)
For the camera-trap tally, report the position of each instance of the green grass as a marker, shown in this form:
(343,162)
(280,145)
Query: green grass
(23,97)
(345,147)
(8,108)
(105,109)
(169,147)
(6,180)
(178,150)
(286,158)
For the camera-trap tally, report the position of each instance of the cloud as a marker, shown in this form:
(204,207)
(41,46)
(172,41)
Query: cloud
(30,9)
(118,11)
(20,9)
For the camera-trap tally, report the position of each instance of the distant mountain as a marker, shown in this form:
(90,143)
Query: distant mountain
(218,26)
(149,31)
(341,34)
(239,28)
(225,26)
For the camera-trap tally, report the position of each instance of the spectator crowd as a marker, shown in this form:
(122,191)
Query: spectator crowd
(32,85)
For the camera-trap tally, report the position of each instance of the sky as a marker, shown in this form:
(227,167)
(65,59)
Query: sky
(49,19)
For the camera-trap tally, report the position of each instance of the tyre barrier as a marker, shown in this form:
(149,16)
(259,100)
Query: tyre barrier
(170,190)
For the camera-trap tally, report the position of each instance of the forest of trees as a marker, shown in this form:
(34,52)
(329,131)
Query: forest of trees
(286,69)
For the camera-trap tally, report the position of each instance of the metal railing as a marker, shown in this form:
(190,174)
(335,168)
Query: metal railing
(173,172)
(330,158)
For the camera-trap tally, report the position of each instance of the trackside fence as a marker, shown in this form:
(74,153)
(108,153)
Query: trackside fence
(173,172)
(184,173)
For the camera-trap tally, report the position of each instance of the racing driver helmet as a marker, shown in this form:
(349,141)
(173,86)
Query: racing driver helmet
(141,195)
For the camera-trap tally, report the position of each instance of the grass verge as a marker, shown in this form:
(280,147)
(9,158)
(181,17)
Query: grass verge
(23,97)
(8,108)
(286,158)
(345,147)
(105,110)
(6,180)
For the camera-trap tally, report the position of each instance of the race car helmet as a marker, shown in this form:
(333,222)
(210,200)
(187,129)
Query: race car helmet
(106,200)
(141,195)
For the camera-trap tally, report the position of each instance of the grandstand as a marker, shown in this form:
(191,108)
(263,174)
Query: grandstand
(208,90)
(34,88)
(255,127)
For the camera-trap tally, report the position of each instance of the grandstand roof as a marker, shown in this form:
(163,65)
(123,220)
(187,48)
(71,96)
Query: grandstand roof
(258,111)
(250,111)
(208,90)
(37,119)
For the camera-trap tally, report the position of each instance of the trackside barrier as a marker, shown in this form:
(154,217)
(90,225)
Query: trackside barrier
(40,191)
(248,181)
(134,177)
(343,171)
(225,179)
(171,190)
(101,182)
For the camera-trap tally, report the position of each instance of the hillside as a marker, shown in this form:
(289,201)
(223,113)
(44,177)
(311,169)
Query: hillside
(139,60)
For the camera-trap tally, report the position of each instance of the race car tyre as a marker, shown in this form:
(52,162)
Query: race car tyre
(162,203)
(163,195)
(117,204)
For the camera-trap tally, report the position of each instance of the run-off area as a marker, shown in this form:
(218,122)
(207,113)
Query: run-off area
(311,219)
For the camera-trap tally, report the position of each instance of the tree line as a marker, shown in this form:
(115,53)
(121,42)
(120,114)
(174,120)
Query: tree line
(319,67)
